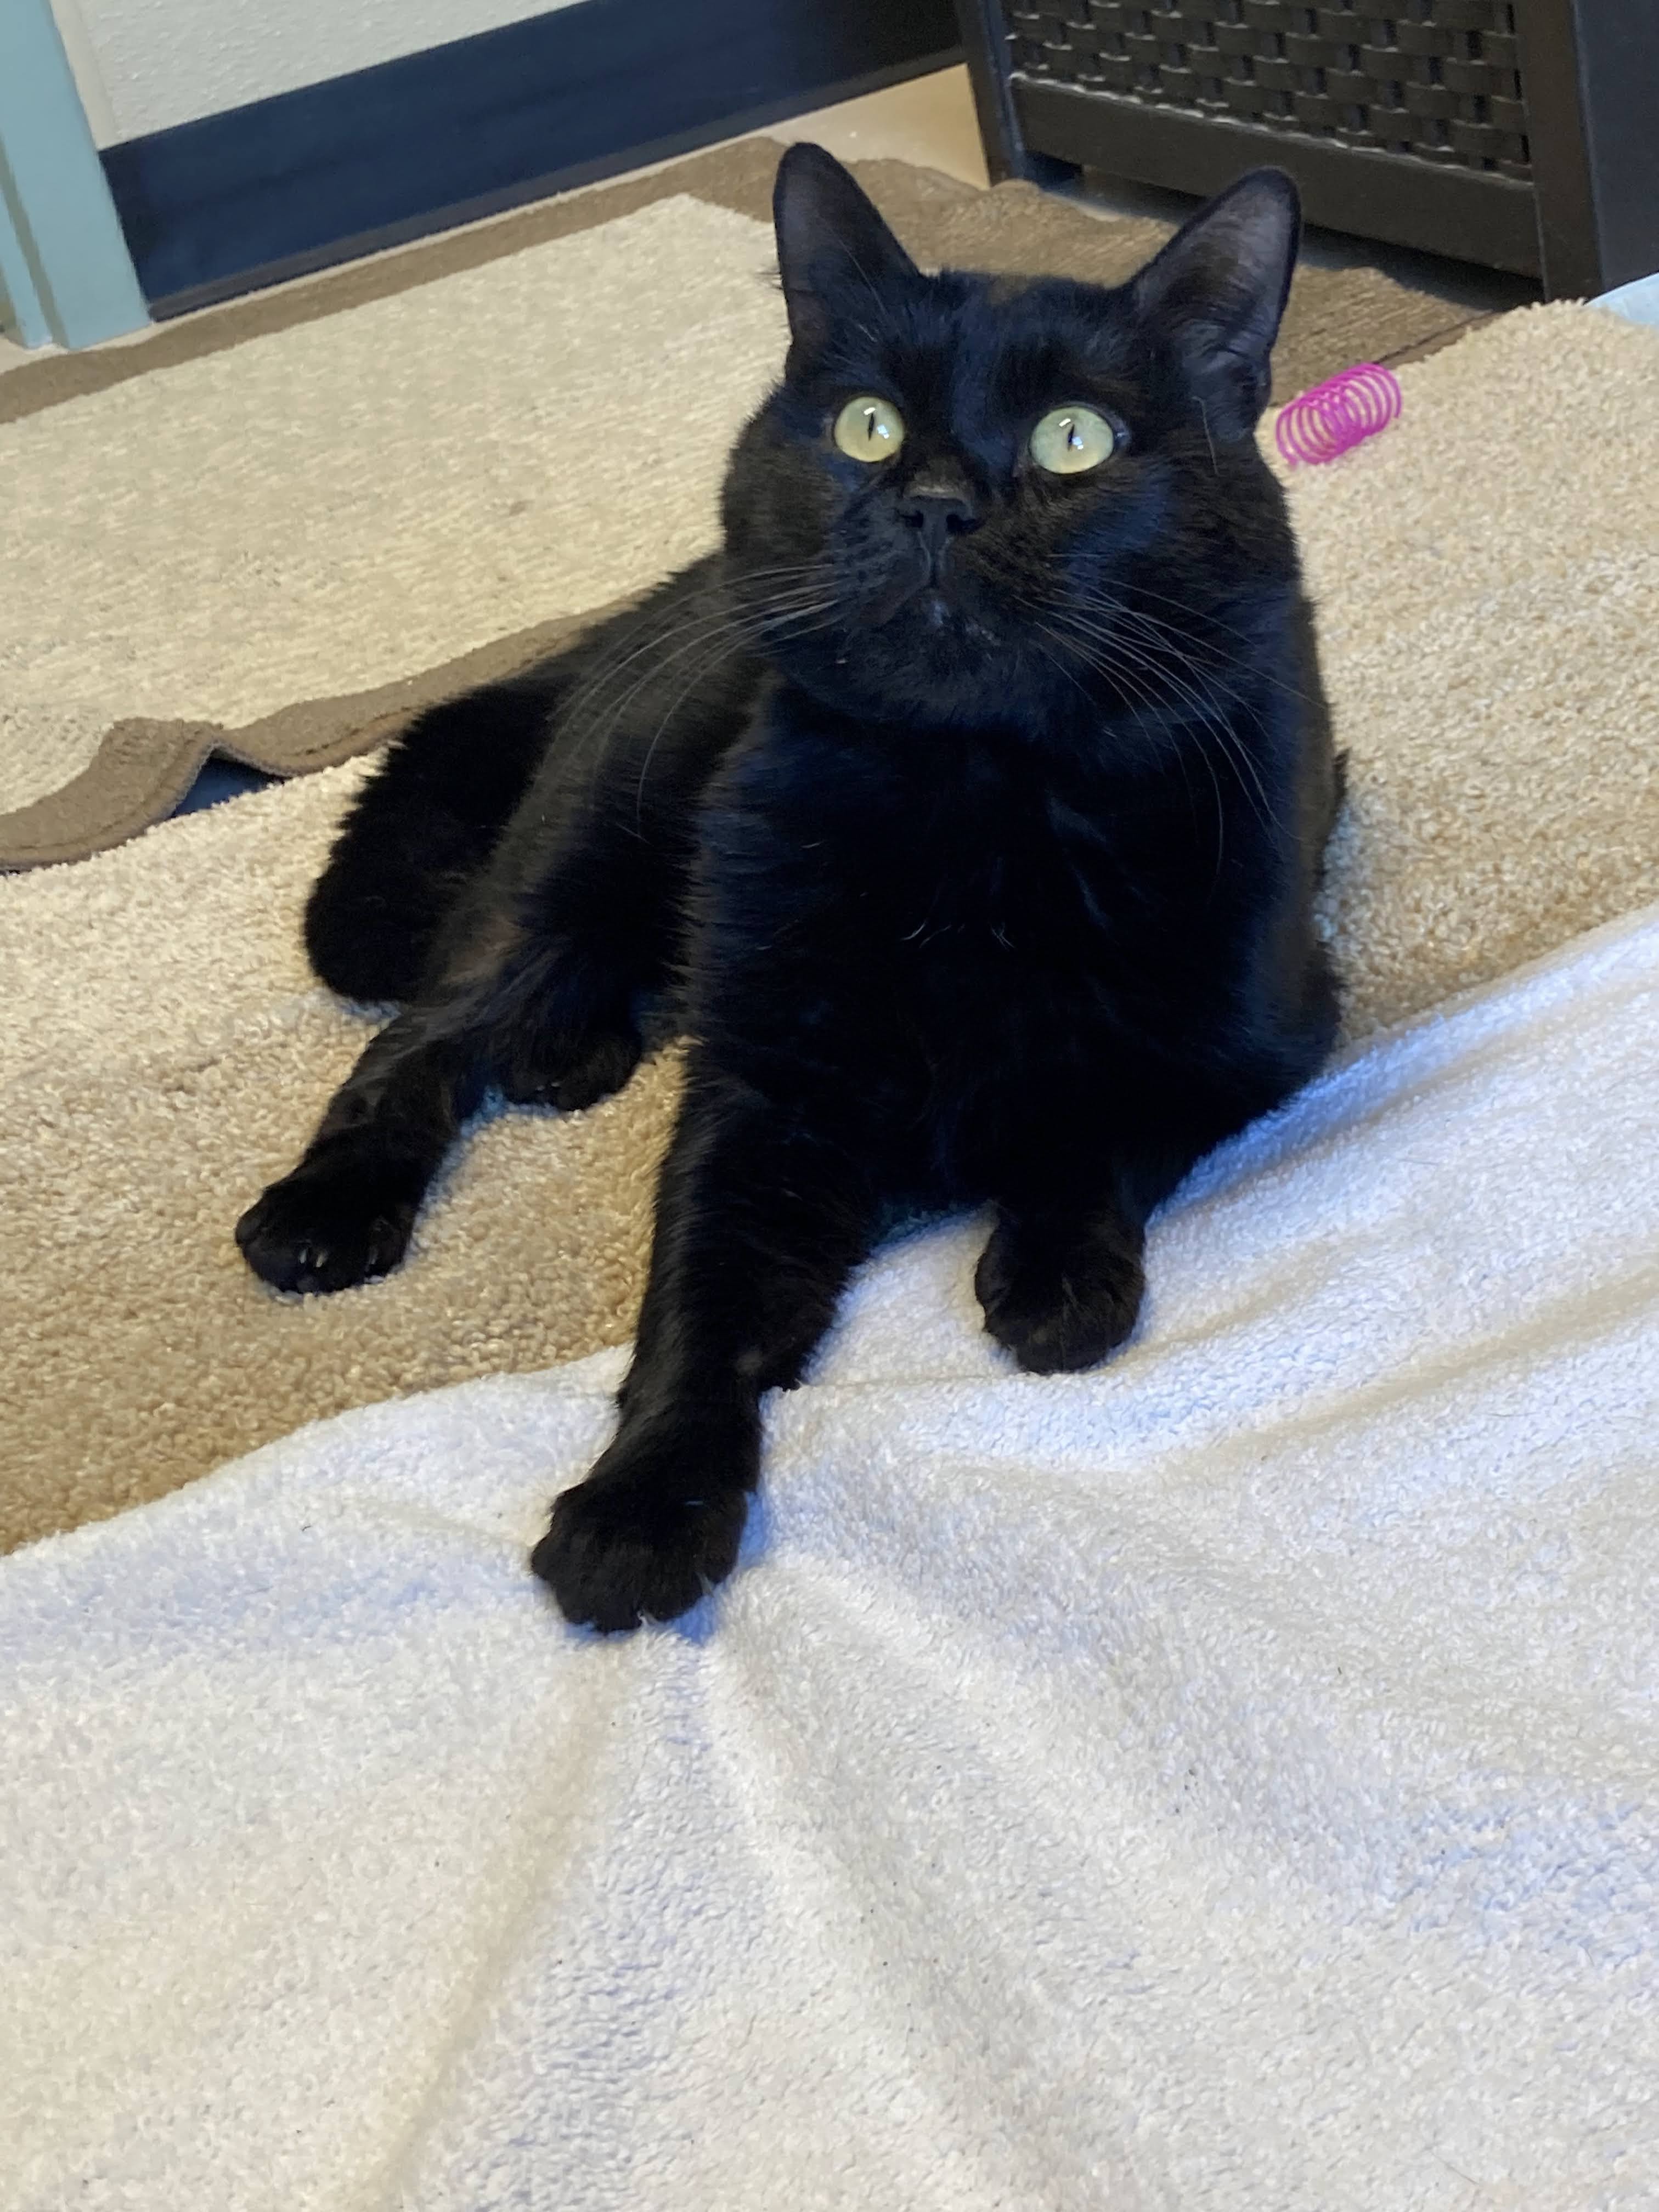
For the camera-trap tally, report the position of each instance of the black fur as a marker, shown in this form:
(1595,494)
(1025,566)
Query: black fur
(969,817)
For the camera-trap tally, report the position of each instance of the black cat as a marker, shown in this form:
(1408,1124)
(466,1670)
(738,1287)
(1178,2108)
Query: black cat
(968,807)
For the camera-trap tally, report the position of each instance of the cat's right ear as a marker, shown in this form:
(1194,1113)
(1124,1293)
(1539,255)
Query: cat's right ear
(1218,290)
(832,245)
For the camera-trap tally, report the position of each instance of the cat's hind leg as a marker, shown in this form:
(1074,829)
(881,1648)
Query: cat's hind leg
(639,706)
(535,967)
(421,830)
(537,994)
(542,1011)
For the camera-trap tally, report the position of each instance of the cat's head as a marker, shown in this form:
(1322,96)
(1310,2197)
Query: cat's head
(969,489)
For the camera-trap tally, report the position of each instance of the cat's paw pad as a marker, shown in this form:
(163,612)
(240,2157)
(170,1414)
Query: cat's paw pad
(639,1540)
(574,1077)
(1058,1305)
(315,1232)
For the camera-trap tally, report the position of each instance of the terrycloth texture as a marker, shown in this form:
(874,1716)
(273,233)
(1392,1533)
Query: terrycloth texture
(165,1051)
(326,503)
(1226,1780)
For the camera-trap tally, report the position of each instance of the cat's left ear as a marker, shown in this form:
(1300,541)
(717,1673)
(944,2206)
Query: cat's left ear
(1218,290)
(833,247)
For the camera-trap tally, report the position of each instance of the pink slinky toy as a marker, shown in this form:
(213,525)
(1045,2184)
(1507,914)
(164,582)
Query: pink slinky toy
(1336,415)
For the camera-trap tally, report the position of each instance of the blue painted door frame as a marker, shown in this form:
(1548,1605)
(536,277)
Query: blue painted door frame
(65,274)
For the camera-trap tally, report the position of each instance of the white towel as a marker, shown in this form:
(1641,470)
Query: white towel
(1228,1780)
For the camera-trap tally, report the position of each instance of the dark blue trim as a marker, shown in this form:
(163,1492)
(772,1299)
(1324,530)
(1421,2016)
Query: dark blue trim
(269,191)
(218,780)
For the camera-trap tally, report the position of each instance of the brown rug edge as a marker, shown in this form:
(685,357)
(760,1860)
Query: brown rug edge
(144,768)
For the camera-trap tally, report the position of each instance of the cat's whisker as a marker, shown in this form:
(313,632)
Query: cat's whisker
(1183,680)
(790,614)
(1055,661)
(1201,717)
(724,634)
(1160,637)
(631,648)
(1131,688)
(735,624)
(1201,727)
(686,689)
(1112,640)
(1212,622)
(593,728)
(1113,648)
(1109,621)
(713,596)
(1186,687)
(1161,644)
(1178,752)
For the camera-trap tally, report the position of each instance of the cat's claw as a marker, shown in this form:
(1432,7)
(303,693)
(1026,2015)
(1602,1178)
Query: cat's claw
(316,1233)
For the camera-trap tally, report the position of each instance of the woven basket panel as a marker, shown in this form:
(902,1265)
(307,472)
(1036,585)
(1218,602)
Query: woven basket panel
(1440,79)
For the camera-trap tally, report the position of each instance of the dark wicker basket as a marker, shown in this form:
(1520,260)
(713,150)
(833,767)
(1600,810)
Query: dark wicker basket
(1443,83)
(1461,125)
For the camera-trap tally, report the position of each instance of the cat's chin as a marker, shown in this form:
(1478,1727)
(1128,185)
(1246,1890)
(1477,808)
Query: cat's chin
(931,662)
(932,613)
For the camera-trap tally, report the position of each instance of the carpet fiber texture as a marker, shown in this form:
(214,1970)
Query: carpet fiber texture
(317,508)
(1489,586)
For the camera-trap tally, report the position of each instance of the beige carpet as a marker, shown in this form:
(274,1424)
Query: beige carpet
(270,531)
(1489,584)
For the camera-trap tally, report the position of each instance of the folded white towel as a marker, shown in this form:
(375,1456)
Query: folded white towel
(1230,1780)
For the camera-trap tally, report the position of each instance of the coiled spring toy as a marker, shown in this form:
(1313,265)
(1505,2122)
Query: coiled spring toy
(1335,416)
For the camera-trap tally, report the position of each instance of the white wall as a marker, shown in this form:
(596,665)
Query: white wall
(144,65)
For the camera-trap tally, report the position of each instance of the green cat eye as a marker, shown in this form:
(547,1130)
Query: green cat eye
(869,429)
(1069,439)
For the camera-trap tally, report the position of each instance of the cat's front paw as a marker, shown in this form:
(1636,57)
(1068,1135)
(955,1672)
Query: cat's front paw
(655,1525)
(325,1230)
(1058,1300)
(573,1075)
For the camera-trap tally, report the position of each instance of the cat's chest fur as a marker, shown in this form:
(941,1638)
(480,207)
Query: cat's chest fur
(956,891)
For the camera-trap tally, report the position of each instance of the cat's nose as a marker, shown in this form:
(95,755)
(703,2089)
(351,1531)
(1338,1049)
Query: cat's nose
(939,515)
